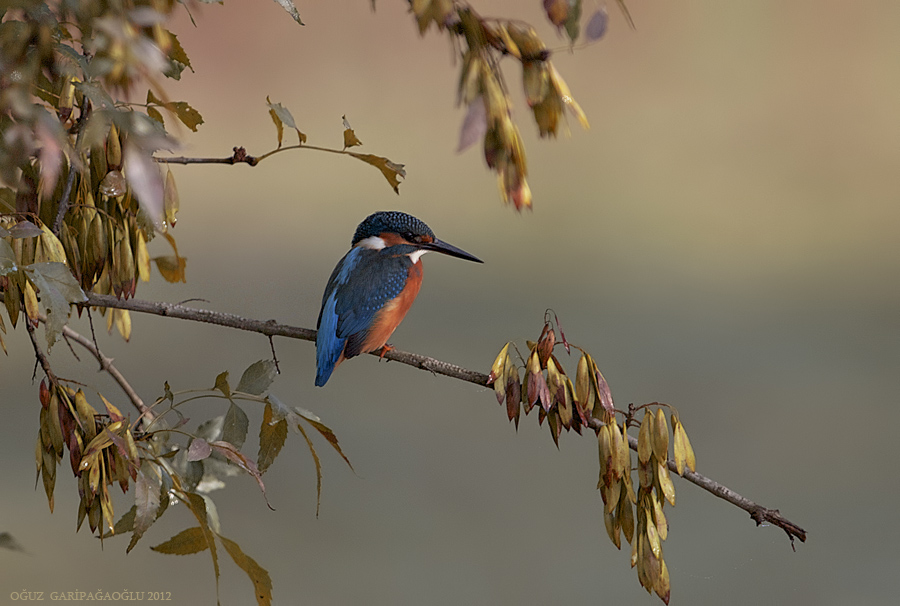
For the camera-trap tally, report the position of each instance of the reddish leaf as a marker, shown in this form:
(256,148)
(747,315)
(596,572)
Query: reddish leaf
(234,455)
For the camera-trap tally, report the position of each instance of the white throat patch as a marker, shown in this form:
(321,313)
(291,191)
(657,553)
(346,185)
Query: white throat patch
(417,254)
(372,242)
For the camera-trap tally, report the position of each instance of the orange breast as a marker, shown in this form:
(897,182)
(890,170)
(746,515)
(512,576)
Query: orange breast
(390,316)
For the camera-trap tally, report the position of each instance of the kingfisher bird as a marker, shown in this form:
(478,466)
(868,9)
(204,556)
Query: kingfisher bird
(373,286)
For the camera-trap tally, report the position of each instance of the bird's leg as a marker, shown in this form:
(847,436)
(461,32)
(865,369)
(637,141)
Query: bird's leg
(384,349)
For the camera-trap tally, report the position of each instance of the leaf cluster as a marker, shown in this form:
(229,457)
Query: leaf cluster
(78,167)
(588,403)
(168,464)
(481,44)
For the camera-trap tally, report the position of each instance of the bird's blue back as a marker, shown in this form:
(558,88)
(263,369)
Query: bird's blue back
(361,284)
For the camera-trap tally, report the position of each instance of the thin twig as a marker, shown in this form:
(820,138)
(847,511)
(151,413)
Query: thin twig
(39,356)
(64,199)
(240,156)
(759,513)
(107,365)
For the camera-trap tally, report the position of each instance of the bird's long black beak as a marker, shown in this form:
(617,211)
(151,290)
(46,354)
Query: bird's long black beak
(448,249)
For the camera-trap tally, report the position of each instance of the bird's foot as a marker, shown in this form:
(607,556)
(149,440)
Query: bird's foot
(384,349)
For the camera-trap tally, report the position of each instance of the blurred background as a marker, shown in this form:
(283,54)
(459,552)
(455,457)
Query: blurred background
(725,238)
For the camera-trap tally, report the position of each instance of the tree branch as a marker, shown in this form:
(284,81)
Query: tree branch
(271,328)
(107,365)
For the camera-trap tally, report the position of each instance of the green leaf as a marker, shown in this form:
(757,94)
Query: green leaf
(188,541)
(7,258)
(58,289)
(257,378)
(272,434)
(288,5)
(98,96)
(146,502)
(154,113)
(259,576)
(234,431)
(573,23)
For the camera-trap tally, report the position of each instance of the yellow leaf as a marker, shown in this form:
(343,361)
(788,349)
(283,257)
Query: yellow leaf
(659,518)
(31,302)
(171,268)
(142,257)
(350,139)
(660,437)
(689,457)
(652,534)
(262,583)
(535,81)
(645,448)
(563,90)
(678,450)
(625,514)
(391,171)
(123,322)
(53,248)
(612,528)
(170,199)
(191,540)
(665,482)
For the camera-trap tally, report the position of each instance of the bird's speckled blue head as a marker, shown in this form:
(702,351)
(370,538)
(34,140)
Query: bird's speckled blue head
(407,226)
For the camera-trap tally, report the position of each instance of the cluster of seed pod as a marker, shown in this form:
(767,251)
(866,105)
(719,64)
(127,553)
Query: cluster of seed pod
(632,510)
(102,450)
(481,81)
(563,404)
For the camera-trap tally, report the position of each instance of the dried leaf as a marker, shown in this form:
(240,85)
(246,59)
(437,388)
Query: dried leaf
(259,576)
(513,394)
(153,113)
(350,138)
(645,436)
(498,373)
(281,116)
(241,460)
(288,5)
(660,437)
(392,172)
(146,502)
(612,528)
(474,125)
(652,534)
(171,268)
(189,116)
(596,27)
(198,450)
(272,435)
(557,11)
(144,178)
(188,541)
(665,482)
(329,435)
(222,384)
(315,456)
(171,201)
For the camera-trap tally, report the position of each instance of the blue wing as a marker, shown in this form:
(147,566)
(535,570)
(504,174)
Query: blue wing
(361,284)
